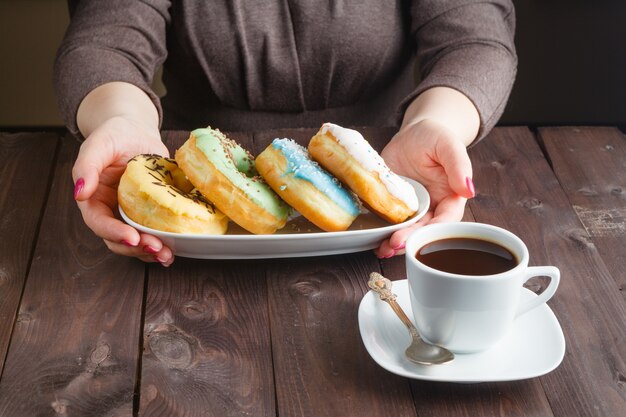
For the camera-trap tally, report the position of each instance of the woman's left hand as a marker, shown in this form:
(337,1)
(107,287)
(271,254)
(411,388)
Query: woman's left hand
(430,153)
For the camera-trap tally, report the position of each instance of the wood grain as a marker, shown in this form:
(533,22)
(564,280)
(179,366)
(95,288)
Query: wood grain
(206,341)
(320,363)
(25,163)
(74,349)
(590,164)
(280,337)
(518,191)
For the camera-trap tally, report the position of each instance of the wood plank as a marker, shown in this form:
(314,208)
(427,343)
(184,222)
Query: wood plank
(74,350)
(25,163)
(320,363)
(518,191)
(590,163)
(207,345)
(206,336)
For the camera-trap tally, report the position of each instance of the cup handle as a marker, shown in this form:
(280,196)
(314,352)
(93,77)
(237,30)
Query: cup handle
(540,271)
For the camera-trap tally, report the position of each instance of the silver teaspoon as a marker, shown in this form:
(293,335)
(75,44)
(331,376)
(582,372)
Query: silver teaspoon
(418,351)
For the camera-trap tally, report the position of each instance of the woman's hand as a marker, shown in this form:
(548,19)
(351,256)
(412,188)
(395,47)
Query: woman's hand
(433,155)
(100,163)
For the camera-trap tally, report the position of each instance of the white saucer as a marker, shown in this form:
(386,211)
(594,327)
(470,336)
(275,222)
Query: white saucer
(534,346)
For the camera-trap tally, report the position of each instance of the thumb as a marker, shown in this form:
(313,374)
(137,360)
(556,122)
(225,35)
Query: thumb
(455,161)
(92,159)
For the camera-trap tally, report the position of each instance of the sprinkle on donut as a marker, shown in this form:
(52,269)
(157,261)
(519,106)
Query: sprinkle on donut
(346,154)
(153,163)
(154,191)
(225,173)
(215,175)
(301,182)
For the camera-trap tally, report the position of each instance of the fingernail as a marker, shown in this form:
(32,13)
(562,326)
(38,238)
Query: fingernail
(387,255)
(127,243)
(470,186)
(149,249)
(78,187)
(400,246)
(159,260)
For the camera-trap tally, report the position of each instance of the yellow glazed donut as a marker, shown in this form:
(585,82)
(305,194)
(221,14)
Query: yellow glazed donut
(349,157)
(154,192)
(301,182)
(225,173)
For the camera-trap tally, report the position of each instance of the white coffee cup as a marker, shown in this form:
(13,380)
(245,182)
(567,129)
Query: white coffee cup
(470,313)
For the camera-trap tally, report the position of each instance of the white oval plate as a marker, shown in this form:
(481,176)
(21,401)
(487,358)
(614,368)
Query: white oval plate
(298,238)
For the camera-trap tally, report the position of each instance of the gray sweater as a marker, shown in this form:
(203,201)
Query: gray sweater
(248,65)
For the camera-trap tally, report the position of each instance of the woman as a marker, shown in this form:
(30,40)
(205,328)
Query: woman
(241,65)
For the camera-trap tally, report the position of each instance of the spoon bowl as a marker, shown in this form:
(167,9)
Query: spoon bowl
(418,351)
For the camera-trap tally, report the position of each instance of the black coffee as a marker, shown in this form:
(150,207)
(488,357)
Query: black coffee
(467,256)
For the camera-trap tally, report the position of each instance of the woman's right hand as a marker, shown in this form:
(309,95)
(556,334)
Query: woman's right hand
(100,163)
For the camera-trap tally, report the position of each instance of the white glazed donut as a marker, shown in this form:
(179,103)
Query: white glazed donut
(349,157)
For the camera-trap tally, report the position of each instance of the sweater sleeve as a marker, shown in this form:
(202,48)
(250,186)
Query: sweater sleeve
(106,41)
(467,45)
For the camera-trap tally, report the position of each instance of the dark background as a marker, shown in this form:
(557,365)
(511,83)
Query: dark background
(572,62)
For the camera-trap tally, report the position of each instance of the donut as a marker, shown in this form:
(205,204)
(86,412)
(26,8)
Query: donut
(154,192)
(350,158)
(225,173)
(303,184)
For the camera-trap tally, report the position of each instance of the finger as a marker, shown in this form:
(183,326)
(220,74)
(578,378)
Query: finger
(166,263)
(385,251)
(455,161)
(165,256)
(132,251)
(152,245)
(398,239)
(396,243)
(93,157)
(138,253)
(100,219)
(450,209)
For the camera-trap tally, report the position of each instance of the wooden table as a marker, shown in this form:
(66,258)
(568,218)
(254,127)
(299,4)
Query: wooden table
(84,332)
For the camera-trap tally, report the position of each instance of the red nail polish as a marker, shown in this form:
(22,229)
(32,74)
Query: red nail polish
(400,246)
(470,186)
(78,187)
(149,249)
(161,261)
(387,255)
(127,243)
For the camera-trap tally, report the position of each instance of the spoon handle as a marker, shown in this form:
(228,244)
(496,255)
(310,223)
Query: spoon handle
(382,287)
